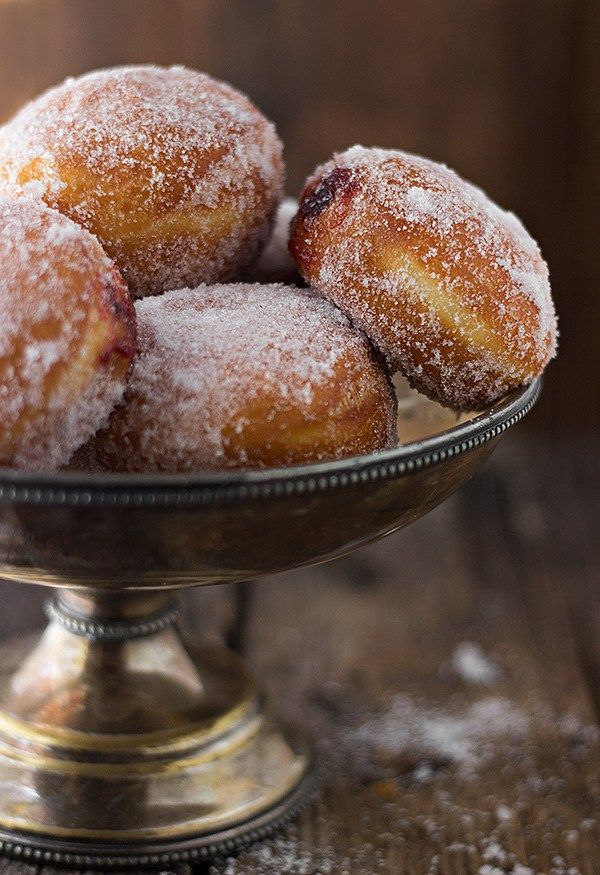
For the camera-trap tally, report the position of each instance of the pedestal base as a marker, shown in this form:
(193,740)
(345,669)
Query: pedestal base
(122,747)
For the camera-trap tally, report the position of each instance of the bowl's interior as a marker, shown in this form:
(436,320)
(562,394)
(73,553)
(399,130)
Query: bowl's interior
(420,418)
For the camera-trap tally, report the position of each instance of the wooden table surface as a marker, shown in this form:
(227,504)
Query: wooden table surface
(450,675)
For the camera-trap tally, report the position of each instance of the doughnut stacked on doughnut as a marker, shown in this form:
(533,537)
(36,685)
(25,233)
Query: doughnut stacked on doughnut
(177,174)
(247,376)
(67,335)
(452,289)
(163,178)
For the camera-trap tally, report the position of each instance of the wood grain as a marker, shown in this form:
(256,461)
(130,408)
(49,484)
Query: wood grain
(336,652)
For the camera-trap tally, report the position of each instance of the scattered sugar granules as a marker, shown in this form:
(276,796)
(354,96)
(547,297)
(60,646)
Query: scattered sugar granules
(471,664)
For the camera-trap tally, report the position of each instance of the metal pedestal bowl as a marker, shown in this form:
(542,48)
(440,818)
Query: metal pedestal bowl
(120,743)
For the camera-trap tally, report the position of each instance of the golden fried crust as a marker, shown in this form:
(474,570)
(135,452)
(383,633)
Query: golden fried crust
(452,289)
(177,174)
(247,376)
(67,335)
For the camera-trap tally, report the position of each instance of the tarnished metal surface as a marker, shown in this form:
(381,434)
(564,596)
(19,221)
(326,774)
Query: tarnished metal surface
(120,745)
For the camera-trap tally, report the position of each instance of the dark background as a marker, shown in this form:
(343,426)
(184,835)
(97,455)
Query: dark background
(505,91)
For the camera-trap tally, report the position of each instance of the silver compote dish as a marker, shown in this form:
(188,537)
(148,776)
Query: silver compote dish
(121,745)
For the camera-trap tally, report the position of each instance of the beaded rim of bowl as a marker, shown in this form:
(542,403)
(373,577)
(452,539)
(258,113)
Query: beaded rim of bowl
(69,488)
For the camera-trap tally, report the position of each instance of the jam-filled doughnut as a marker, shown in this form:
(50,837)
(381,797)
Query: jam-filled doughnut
(177,174)
(275,263)
(452,289)
(67,335)
(247,376)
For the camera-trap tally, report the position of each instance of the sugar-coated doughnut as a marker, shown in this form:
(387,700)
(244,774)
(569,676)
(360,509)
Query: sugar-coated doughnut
(177,174)
(67,335)
(451,289)
(275,263)
(247,376)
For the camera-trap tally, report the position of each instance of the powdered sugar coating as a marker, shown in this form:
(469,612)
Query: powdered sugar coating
(275,263)
(247,376)
(178,174)
(67,335)
(451,288)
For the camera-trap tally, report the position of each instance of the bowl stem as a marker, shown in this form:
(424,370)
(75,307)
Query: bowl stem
(118,737)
